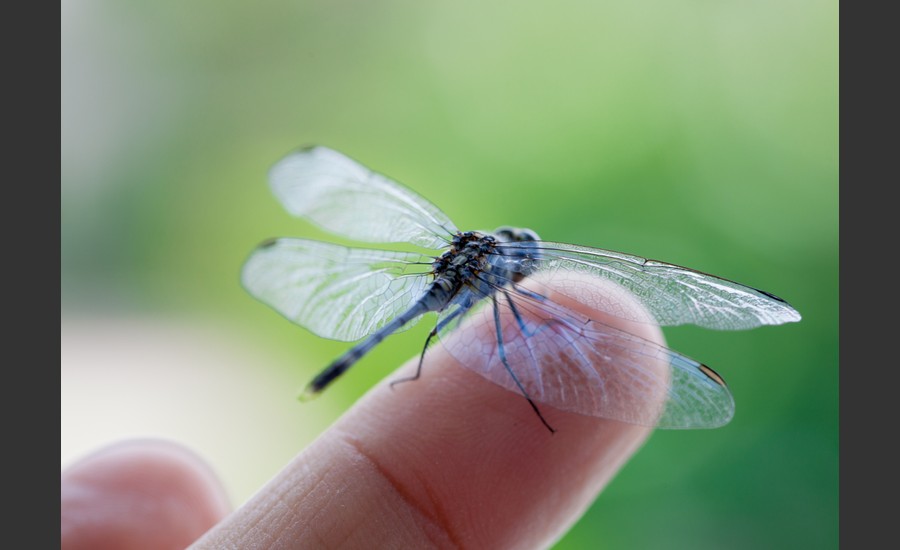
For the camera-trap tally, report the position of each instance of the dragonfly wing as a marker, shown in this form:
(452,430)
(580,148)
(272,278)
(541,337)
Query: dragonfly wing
(346,198)
(334,291)
(576,363)
(673,295)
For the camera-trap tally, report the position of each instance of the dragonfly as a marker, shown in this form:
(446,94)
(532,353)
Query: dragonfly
(539,310)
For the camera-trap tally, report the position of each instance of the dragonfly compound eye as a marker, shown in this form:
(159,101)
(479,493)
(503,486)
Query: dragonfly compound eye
(505,233)
(515,234)
(526,235)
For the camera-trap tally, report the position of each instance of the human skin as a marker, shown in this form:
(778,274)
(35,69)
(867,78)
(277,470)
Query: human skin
(449,460)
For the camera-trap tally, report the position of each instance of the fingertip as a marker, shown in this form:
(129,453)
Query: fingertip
(473,455)
(448,460)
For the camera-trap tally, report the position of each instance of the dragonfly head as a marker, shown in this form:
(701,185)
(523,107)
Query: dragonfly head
(504,233)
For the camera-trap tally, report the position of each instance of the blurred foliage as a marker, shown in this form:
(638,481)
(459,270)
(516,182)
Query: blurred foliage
(700,133)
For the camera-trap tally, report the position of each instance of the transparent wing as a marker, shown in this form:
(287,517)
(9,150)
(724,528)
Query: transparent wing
(334,291)
(674,295)
(346,198)
(576,363)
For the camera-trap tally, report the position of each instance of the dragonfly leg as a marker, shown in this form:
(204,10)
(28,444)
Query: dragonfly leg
(544,323)
(502,352)
(421,359)
(437,328)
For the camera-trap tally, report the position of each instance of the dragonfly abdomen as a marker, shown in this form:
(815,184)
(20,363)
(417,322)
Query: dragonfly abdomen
(445,286)
(354,354)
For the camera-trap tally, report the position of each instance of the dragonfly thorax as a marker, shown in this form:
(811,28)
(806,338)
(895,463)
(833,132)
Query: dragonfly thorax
(466,257)
(482,262)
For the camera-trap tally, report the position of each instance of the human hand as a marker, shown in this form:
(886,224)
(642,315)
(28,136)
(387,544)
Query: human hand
(450,460)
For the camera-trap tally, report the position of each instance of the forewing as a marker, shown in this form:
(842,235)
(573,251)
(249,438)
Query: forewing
(346,198)
(674,295)
(334,291)
(576,363)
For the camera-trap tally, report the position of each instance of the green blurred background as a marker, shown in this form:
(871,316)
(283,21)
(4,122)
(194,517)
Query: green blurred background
(695,132)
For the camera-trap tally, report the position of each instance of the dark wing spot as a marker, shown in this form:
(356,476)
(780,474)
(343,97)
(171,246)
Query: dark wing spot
(713,375)
(770,295)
